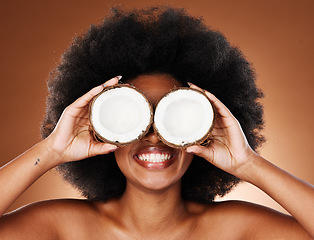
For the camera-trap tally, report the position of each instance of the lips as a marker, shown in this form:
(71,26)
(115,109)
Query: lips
(153,157)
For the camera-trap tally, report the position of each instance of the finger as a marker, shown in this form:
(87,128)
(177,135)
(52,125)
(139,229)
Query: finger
(112,81)
(195,87)
(204,152)
(220,107)
(102,148)
(85,99)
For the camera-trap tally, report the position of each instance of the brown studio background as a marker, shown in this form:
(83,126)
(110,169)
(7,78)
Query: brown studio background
(277,36)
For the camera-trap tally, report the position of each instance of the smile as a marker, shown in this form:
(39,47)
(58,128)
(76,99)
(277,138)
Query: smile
(154,157)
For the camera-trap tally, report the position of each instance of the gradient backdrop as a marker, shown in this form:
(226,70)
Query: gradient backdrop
(277,36)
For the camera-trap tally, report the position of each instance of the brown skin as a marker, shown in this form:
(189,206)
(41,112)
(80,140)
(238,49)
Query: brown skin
(152,207)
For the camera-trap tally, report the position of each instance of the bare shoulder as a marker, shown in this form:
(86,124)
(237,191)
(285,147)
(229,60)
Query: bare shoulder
(47,220)
(243,220)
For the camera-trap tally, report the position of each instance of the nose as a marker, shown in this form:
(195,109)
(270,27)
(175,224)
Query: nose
(151,137)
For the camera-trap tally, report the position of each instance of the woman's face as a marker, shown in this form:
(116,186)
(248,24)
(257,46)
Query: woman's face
(149,163)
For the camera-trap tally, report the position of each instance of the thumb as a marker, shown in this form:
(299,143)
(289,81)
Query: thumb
(201,151)
(102,148)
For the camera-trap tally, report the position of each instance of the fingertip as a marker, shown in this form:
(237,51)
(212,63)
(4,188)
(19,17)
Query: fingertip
(192,85)
(192,149)
(103,148)
(188,150)
(111,148)
(112,81)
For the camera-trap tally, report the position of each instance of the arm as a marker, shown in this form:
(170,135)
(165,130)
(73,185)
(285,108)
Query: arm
(231,152)
(70,141)
(293,194)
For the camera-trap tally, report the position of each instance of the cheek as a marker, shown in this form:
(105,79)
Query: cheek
(121,155)
(187,159)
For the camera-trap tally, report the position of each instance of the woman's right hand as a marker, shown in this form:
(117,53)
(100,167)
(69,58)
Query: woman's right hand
(71,140)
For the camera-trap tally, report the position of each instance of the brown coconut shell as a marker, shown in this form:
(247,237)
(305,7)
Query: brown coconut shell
(101,138)
(207,135)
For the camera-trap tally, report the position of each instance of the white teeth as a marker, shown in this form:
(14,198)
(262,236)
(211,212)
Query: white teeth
(154,157)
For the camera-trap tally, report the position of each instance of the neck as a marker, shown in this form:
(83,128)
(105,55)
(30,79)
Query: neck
(149,210)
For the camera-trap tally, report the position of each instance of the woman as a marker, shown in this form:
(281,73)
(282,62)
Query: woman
(155,50)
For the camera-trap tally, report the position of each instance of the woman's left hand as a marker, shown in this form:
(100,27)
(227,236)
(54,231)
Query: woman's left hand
(228,149)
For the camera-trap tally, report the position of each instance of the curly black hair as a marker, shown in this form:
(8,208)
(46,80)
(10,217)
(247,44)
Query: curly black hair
(154,40)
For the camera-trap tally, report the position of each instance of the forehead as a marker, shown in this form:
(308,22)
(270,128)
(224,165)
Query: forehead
(155,86)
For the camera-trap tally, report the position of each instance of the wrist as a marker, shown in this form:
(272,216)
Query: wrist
(52,158)
(248,171)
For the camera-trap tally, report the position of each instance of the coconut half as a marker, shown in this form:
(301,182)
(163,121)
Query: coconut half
(120,114)
(184,117)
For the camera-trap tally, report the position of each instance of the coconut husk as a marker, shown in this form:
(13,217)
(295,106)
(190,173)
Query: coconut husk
(207,136)
(101,138)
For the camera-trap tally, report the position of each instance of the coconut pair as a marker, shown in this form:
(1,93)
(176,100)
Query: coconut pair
(122,114)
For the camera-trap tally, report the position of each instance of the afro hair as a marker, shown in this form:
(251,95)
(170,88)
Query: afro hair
(146,41)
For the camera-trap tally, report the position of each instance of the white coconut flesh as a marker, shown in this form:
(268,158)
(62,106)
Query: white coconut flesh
(183,117)
(120,115)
